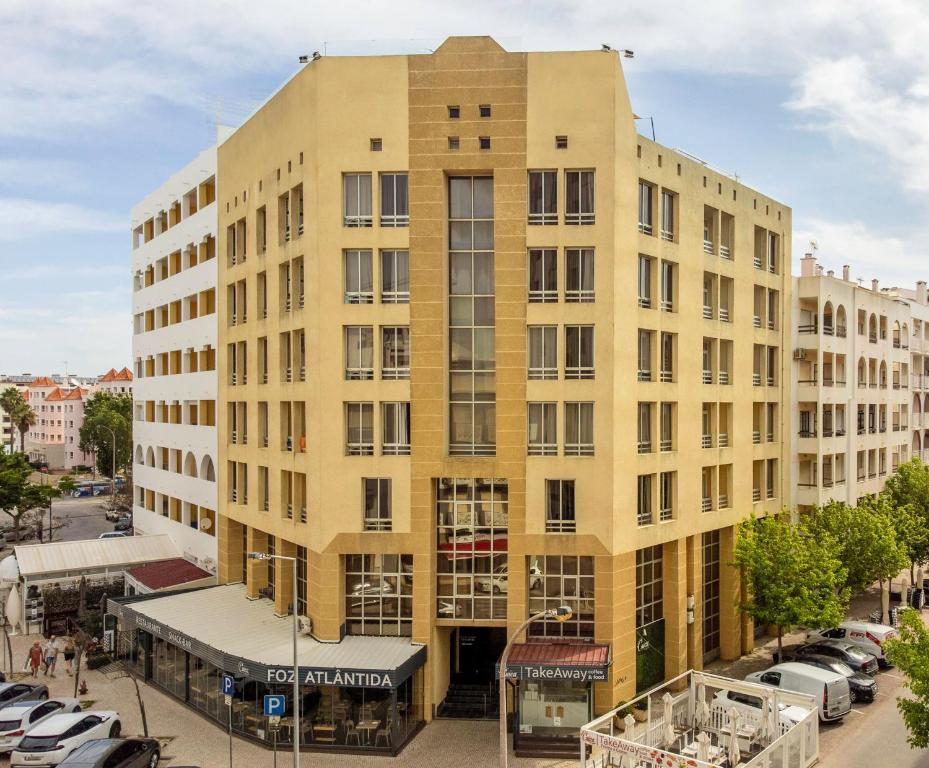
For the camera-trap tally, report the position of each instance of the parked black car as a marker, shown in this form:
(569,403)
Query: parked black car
(114,753)
(857,659)
(861,686)
(123,524)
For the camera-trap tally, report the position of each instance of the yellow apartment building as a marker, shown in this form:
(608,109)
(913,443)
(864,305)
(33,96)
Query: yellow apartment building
(485,351)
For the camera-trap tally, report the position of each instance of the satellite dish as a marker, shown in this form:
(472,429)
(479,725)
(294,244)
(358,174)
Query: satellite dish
(206,524)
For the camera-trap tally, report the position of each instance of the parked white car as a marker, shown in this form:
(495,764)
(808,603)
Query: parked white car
(867,636)
(52,740)
(25,715)
(745,702)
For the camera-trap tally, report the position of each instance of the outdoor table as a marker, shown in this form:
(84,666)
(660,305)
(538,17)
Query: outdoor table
(367,726)
(324,732)
(717,754)
(746,734)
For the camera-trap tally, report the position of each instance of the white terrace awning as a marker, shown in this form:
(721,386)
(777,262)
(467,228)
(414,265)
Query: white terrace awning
(62,558)
(245,638)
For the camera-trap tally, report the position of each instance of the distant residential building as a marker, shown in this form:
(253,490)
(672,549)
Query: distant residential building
(116,382)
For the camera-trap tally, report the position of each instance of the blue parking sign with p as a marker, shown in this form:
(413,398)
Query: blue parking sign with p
(228,685)
(274,705)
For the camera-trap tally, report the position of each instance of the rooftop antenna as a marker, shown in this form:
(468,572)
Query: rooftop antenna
(650,120)
(814,246)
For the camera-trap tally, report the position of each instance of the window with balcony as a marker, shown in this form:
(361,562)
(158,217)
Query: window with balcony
(395,423)
(668,269)
(543,276)
(666,427)
(359,277)
(395,202)
(559,506)
(579,429)
(395,277)
(542,438)
(579,352)
(395,353)
(579,197)
(645,355)
(579,275)
(543,351)
(667,347)
(376,509)
(359,352)
(543,197)
(666,493)
(356,195)
(668,200)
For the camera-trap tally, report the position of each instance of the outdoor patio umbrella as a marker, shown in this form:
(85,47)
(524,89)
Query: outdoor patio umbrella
(765,721)
(668,706)
(701,708)
(734,755)
(703,747)
(14,609)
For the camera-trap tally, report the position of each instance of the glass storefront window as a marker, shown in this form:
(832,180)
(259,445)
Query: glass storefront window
(471,522)
(379,594)
(556,580)
(549,708)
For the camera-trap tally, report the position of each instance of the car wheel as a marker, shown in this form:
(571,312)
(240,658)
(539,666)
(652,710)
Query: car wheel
(853,696)
(114,730)
(153,760)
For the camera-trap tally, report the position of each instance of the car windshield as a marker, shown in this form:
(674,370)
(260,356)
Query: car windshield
(9,725)
(38,742)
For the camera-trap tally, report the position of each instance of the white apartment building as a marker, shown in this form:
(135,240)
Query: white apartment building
(174,353)
(851,386)
(918,341)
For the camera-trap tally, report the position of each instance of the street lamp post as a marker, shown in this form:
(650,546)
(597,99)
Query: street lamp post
(561,613)
(296,628)
(113,477)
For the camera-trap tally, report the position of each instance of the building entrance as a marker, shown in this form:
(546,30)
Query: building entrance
(473,655)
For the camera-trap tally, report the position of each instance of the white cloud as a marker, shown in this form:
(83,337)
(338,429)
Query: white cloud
(894,260)
(21,219)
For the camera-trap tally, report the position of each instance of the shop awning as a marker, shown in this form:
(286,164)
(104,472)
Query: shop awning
(244,637)
(583,662)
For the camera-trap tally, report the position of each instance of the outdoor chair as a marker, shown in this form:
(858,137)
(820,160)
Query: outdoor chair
(351,732)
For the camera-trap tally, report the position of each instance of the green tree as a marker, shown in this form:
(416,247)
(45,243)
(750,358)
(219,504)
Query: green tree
(19,497)
(909,487)
(104,412)
(865,538)
(792,576)
(910,654)
(64,488)
(10,400)
(23,417)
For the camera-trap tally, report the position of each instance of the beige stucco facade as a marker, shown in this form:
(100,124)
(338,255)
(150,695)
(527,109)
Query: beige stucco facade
(286,469)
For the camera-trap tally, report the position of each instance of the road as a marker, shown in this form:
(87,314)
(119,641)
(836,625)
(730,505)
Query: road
(82,517)
(872,735)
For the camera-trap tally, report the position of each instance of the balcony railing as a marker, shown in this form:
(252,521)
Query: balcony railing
(756,495)
(756,379)
(724,252)
(707,504)
(666,376)
(665,446)
(708,377)
(757,262)
(706,441)
(645,446)
(756,437)
(708,246)
(756,321)
(723,501)
(723,440)
(707,312)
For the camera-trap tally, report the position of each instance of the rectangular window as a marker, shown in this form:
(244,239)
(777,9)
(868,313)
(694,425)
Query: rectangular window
(395,353)
(667,215)
(377,515)
(261,229)
(579,351)
(543,276)
(649,582)
(395,201)
(666,374)
(542,436)
(666,427)
(359,277)
(484,110)
(645,282)
(484,142)
(579,197)
(543,197)
(644,499)
(471,561)
(543,351)
(645,428)
(395,277)
(395,422)
(472,363)
(359,429)
(645,355)
(666,496)
(579,275)
(356,194)
(359,352)
(559,506)
(556,580)
(667,286)
(379,595)
(301,581)
(645,207)
(579,429)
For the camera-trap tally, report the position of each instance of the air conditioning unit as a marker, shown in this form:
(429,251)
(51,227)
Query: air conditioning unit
(306,625)
(799,354)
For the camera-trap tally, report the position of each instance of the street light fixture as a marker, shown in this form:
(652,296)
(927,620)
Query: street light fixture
(561,613)
(296,694)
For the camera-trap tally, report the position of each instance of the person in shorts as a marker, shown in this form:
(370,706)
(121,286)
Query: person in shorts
(51,655)
(35,658)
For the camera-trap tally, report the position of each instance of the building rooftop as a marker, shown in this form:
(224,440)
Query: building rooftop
(168,573)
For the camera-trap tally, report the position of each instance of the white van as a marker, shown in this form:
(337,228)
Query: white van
(830,689)
(789,715)
(867,636)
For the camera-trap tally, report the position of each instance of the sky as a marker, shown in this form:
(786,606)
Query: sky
(822,105)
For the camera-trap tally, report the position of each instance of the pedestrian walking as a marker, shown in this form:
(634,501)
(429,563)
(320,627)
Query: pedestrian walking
(35,658)
(51,655)
(69,656)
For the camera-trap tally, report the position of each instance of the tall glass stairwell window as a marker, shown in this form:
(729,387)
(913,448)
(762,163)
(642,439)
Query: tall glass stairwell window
(472,385)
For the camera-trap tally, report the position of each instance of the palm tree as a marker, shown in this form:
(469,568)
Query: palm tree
(10,400)
(24,418)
